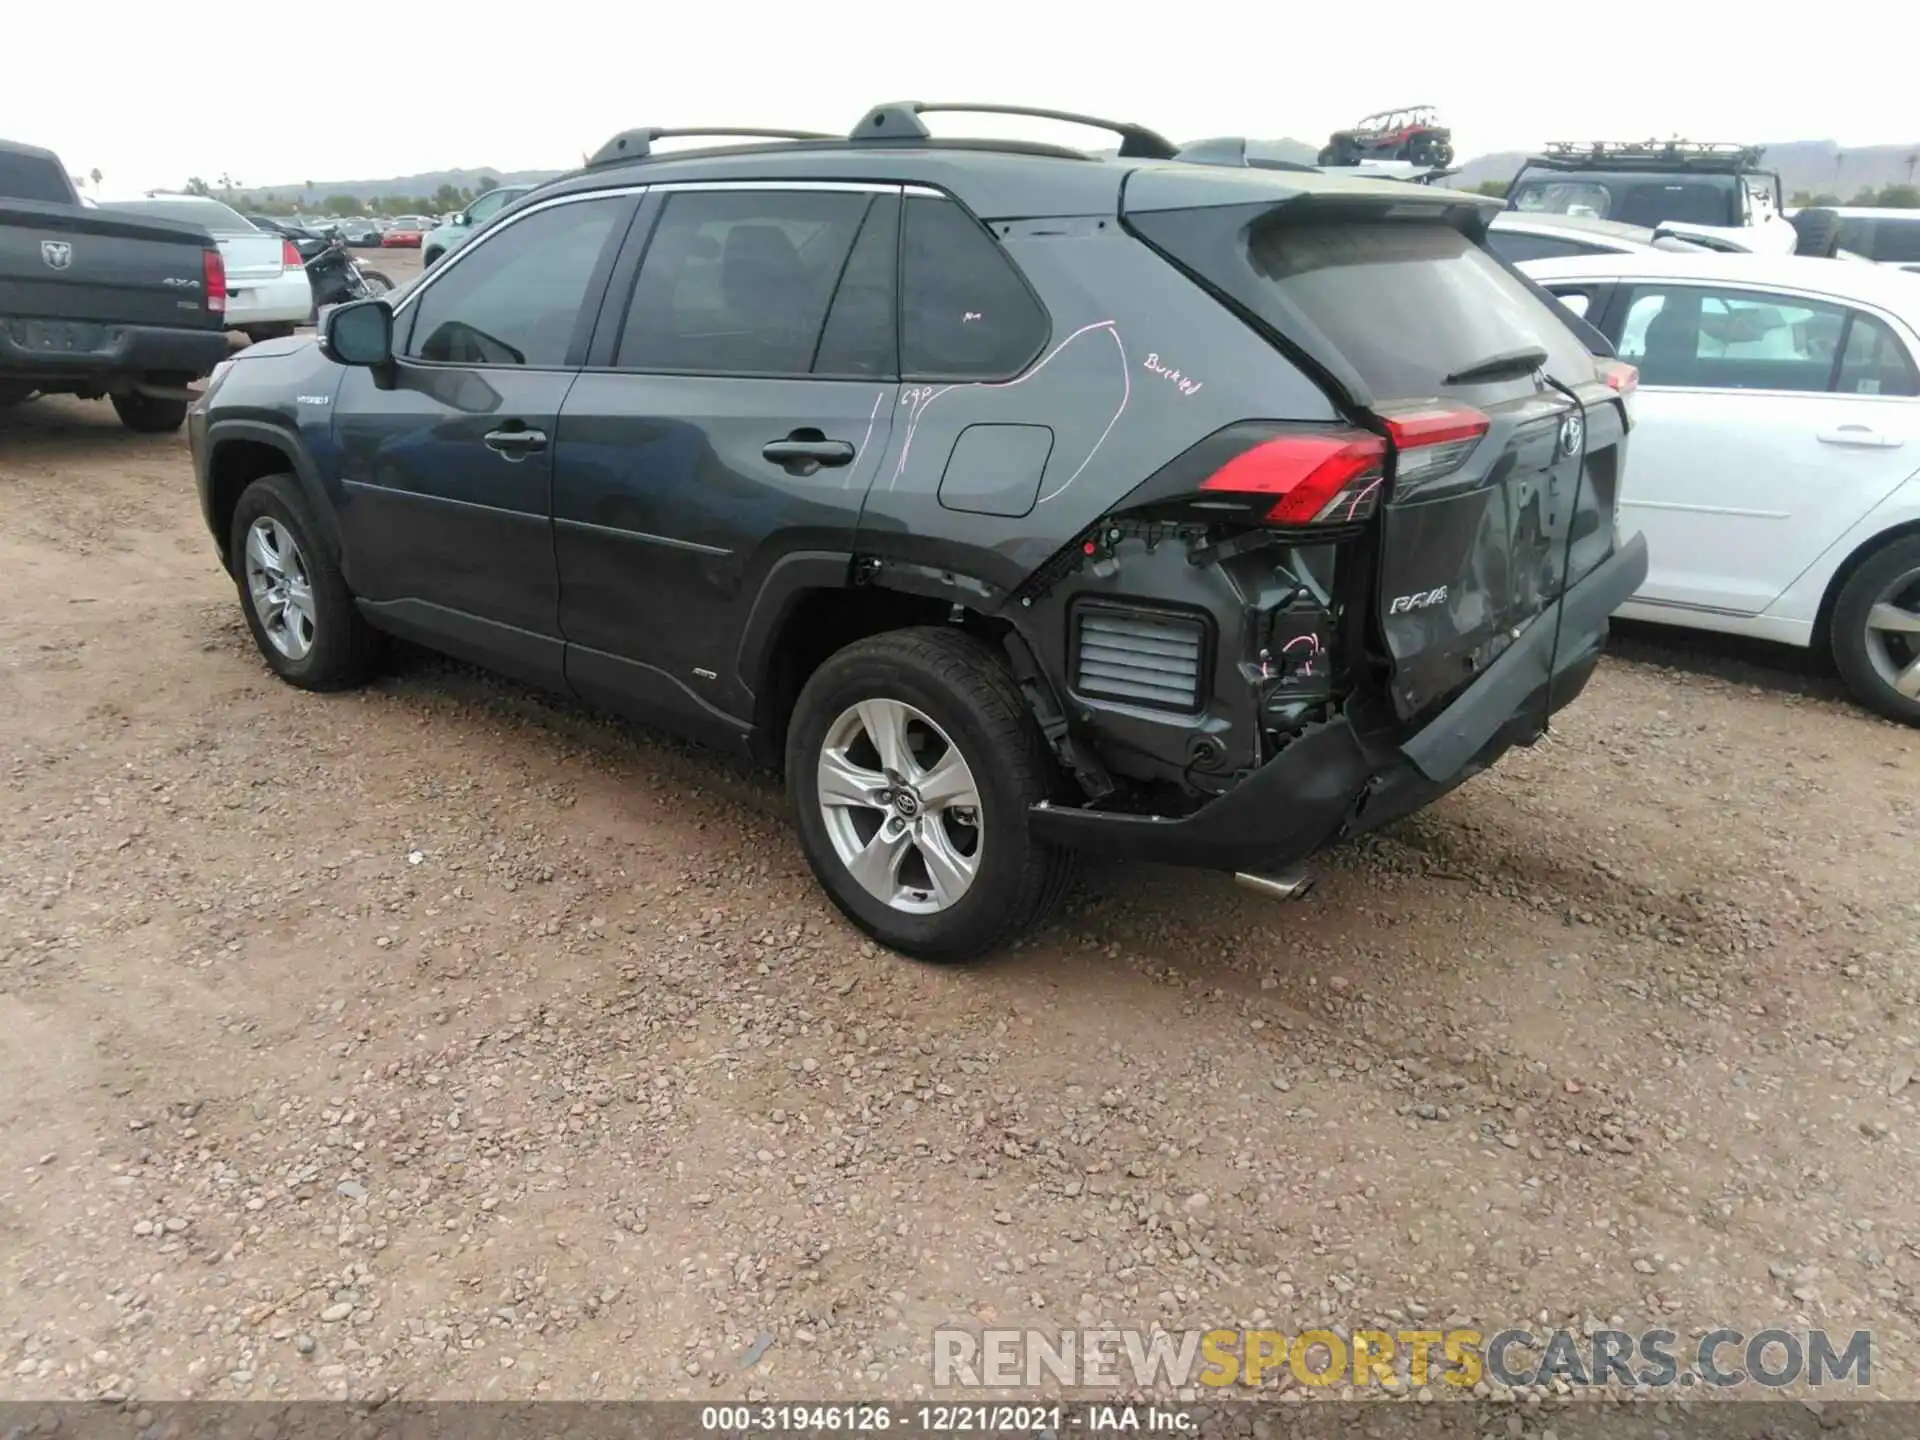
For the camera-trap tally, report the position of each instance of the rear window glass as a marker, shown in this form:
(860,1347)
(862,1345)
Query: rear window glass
(33,177)
(1631,199)
(1407,304)
(1518,245)
(1895,241)
(210,214)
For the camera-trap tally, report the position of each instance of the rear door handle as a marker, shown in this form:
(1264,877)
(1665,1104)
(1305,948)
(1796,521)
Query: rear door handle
(515,442)
(1861,436)
(804,452)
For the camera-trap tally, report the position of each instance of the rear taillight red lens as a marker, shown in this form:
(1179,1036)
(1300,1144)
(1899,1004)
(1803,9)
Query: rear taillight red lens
(1324,476)
(1619,376)
(213,280)
(290,255)
(1334,477)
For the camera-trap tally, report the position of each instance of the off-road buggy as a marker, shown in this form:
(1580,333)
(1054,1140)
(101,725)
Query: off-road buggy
(1413,133)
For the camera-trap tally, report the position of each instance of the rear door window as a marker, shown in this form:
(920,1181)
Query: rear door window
(738,282)
(1696,337)
(1875,360)
(1896,241)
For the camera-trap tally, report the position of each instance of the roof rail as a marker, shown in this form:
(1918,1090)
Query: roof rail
(638,144)
(1691,154)
(900,120)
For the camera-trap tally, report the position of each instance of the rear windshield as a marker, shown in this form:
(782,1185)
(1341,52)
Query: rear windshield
(1404,303)
(33,177)
(210,215)
(1886,238)
(1629,198)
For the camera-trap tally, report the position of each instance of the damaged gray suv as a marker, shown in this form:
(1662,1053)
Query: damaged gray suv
(1018,501)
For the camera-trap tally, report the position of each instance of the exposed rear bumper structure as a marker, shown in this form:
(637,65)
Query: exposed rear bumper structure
(1328,785)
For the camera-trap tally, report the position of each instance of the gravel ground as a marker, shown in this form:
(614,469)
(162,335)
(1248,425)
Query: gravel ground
(445,1040)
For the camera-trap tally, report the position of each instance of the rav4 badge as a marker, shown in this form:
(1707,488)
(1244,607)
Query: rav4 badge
(1419,600)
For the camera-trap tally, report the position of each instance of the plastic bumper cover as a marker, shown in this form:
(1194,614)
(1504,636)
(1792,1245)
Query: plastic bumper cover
(1325,785)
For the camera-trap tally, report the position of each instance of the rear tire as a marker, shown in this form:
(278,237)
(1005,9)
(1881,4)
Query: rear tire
(329,645)
(430,259)
(1817,233)
(1872,651)
(950,693)
(149,415)
(380,282)
(12,395)
(256,334)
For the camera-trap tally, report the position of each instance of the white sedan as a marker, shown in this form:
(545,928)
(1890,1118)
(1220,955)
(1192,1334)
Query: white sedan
(1775,462)
(268,293)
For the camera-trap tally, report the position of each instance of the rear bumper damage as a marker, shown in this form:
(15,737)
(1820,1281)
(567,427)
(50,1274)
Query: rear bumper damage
(1329,784)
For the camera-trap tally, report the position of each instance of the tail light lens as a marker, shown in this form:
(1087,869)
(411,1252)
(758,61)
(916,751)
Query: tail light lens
(1314,477)
(290,255)
(1334,477)
(213,280)
(1619,376)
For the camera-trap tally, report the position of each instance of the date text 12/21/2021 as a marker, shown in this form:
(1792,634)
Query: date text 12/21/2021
(949,1419)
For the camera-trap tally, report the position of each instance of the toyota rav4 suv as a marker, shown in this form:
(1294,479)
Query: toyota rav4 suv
(1017,501)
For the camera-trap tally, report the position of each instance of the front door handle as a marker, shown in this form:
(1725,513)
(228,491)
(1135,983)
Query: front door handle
(1863,437)
(515,442)
(805,451)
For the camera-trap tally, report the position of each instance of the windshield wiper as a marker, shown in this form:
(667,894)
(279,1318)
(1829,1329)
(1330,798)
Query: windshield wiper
(1508,365)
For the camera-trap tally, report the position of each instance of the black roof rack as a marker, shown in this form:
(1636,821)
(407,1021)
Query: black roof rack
(1709,155)
(899,120)
(638,144)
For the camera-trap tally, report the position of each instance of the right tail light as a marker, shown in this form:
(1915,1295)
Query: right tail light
(213,279)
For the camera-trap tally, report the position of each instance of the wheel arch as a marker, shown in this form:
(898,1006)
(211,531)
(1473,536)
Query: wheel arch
(240,452)
(1861,554)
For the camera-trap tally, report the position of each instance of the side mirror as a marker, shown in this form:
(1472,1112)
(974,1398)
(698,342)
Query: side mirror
(359,332)
(465,217)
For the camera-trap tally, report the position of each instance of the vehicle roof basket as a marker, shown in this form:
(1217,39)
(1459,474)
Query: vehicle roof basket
(900,121)
(1713,155)
(638,144)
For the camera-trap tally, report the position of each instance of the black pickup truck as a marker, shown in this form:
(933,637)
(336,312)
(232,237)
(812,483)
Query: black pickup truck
(102,302)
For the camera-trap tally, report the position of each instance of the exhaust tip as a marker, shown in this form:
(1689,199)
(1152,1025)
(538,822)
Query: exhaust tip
(1293,885)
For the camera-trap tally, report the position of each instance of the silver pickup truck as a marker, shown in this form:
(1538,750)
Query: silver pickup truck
(99,302)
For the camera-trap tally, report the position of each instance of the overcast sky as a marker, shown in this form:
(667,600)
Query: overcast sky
(272,92)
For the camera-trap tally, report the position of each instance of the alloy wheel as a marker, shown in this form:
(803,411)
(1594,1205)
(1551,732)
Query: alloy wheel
(281,590)
(1893,635)
(901,806)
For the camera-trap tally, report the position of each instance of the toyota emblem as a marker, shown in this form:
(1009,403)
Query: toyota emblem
(57,253)
(1573,433)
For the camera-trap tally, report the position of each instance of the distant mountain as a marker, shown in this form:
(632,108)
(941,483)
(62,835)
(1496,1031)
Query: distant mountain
(305,196)
(1811,165)
(1814,166)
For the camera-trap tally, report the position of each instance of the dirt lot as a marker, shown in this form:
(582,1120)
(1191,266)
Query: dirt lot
(447,1039)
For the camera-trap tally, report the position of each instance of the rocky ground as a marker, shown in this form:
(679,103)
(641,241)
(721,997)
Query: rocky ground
(445,1040)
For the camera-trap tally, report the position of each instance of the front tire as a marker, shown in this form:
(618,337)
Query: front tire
(297,604)
(912,760)
(1875,632)
(148,414)
(430,259)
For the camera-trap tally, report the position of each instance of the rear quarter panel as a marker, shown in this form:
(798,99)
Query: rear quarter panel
(1141,363)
